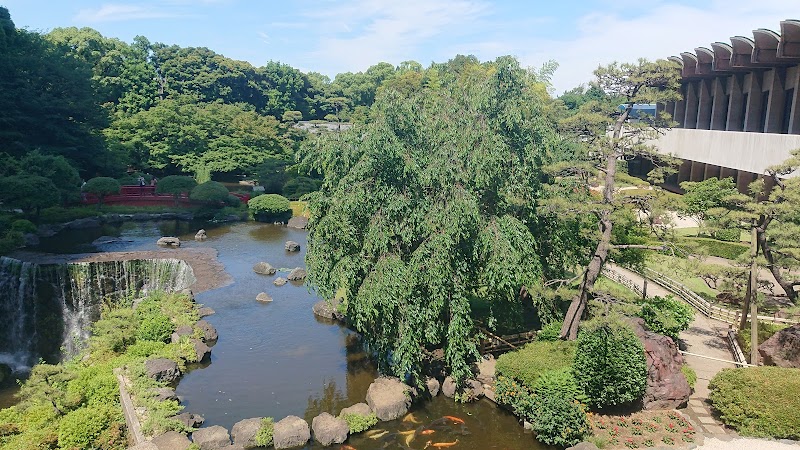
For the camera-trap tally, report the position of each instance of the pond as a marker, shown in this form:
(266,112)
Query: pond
(278,359)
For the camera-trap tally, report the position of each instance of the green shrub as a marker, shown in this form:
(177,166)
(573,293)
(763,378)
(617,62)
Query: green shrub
(102,186)
(610,365)
(516,396)
(720,249)
(759,401)
(145,349)
(358,423)
(264,435)
(269,207)
(527,364)
(666,315)
(155,327)
(80,428)
(96,385)
(559,383)
(23,226)
(550,332)
(690,374)
(300,186)
(559,421)
(233,201)
(211,192)
(765,331)
(728,235)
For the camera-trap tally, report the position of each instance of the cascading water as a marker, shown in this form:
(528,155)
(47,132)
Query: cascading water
(47,310)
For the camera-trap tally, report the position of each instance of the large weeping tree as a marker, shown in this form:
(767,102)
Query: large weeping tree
(429,206)
(610,135)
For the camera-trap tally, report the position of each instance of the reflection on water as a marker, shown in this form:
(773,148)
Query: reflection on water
(278,359)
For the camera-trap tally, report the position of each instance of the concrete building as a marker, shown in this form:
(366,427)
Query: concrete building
(739,113)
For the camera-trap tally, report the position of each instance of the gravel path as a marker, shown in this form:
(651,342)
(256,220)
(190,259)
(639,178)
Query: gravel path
(745,444)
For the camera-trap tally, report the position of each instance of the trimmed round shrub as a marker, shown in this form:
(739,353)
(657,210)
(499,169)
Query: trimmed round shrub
(559,420)
(269,207)
(80,428)
(233,201)
(23,226)
(102,186)
(155,327)
(759,401)
(211,192)
(175,185)
(610,365)
(728,234)
(666,315)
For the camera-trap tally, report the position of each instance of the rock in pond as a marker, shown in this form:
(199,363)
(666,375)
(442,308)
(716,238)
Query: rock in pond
(263,297)
(189,419)
(162,369)
(171,440)
(205,311)
(361,409)
(291,431)
(297,274)
(389,398)
(211,438)
(279,281)
(164,393)
(298,222)
(433,386)
(472,388)
(264,268)
(783,348)
(209,332)
(327,309)
(329,429)
(292,246)
(169,241)
(200,235)
(201,350)
(244,432)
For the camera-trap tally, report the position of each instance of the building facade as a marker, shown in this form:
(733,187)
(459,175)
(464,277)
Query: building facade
(740,111)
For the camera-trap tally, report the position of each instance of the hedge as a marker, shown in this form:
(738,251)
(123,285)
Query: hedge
(720,249)
(530,362)
(759,401)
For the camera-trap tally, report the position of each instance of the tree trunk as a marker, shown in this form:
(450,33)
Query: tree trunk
(761,236)
(569,329)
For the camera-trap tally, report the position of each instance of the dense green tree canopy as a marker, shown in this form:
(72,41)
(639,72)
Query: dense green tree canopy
(427,207)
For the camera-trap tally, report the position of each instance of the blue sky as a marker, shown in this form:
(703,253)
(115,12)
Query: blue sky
(332,36)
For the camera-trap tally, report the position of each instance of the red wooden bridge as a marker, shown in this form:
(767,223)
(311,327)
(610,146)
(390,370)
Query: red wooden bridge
(146,196)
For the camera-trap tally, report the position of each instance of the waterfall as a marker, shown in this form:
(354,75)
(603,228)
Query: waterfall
(47,310)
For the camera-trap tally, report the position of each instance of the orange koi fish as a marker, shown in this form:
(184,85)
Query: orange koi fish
(346,447)
(454,419)
(426,432)
(444,444)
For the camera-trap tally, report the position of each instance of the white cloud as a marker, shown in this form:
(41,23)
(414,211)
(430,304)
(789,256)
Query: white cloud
(358,34)
(122,12)
(662,31)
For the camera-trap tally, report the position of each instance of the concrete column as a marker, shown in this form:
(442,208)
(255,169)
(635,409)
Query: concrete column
(712,171)
(719,109)
(743,180)
(727,172)
(697,171)
(704,105)
(684,171)
(735,110)
(777,101)
(690,116)
(752,116)
(680,107)
(794,118)
(670,109)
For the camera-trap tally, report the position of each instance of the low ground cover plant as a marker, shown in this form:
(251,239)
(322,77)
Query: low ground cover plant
(643,429)
(759,401)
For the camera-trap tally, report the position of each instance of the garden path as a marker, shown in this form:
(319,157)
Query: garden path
(705,337)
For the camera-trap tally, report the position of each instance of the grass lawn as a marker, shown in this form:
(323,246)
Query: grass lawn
(680,269)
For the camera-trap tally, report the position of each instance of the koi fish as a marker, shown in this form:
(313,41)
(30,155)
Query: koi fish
(444,444)
(410,418)
(377,434)
(346,447)
(454,419)
(408,436)
(427,432)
